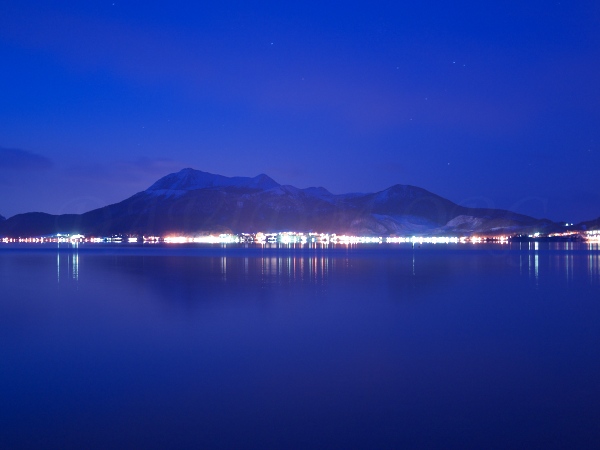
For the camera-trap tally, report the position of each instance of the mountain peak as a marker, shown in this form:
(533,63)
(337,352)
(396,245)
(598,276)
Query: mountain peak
(189,179)
(400,191)
(263,181)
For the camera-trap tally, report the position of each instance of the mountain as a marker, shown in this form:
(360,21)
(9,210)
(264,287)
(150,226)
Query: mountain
(2,218)
(189,180)
(589,225)
(194,202)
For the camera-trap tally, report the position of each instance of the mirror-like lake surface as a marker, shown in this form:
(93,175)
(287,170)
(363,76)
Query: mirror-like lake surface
(451,346)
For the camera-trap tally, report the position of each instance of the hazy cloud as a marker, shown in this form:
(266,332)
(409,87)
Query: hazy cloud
(17,159)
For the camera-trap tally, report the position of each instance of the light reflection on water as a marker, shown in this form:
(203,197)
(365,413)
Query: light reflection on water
(536,260)
(562,259)
(71,261)
(293,268)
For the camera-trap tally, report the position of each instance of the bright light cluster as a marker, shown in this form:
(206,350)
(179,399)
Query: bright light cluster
(221,239)
(59,238)
(356,240)
(593,235)
(565,234)
(293,238)
(424,240)
(287,238)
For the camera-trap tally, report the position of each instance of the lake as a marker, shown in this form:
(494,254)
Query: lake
(432,346)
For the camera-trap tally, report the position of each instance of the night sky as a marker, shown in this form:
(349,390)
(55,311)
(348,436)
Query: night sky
(487,104)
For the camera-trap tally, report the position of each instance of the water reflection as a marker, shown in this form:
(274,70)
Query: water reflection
(533,262)
(538,261)
(593,263)
(275,267)
(75,265)
(67,256)
(566,260)
(568,263)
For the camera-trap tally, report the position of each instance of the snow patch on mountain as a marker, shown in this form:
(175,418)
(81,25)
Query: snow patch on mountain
(465,223)
(405,224)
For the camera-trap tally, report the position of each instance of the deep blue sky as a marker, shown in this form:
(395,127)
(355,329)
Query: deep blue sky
(487,104)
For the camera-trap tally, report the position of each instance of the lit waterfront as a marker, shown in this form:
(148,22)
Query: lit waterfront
(273,238)
(296,238)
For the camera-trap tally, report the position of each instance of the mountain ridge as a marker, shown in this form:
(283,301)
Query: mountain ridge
(189,179)
(195,202)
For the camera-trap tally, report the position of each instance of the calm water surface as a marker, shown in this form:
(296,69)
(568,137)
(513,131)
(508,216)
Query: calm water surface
(377,347)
